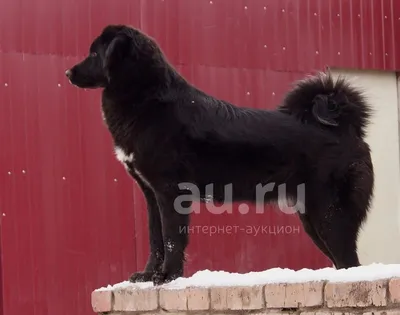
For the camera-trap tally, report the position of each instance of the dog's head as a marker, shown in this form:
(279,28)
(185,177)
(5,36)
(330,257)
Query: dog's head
(118,50)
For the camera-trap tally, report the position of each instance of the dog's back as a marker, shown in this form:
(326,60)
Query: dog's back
(319,144)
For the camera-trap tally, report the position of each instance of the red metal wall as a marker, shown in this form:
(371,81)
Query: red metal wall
(71,219)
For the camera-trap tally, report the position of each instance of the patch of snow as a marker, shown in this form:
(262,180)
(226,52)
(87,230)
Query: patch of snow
(207,278)
(125,285)
(170,246)
(207,198)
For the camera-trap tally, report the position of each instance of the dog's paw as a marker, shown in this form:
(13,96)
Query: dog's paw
(160,278)
(141,277)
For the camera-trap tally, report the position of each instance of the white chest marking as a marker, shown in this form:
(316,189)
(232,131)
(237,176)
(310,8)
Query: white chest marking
(124,159)
(122,156)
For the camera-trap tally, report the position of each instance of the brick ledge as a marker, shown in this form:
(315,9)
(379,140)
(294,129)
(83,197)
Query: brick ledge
(313,297)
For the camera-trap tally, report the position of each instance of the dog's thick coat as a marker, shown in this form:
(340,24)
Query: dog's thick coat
(167,132)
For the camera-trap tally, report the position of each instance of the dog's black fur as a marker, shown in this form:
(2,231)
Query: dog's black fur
(170,132)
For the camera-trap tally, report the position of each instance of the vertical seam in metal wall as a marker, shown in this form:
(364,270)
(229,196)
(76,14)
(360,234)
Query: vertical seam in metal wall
(1,272)
(134,189)
(398,123)
(398,106)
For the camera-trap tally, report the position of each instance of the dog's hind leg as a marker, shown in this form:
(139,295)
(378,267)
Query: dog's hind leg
(312,233)
(156,257)
(338,226)
(339,232)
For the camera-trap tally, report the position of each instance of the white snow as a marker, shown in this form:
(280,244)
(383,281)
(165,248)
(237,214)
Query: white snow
(207,278)
(170,246)
(126,284)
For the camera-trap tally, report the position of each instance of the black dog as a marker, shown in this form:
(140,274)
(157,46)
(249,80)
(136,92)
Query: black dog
(167,132)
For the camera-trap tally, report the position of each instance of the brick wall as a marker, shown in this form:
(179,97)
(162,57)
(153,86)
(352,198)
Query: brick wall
(321,297)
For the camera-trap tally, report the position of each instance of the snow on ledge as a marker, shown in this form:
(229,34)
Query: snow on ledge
(207,278)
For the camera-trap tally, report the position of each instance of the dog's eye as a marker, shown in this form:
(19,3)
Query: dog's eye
(93,54)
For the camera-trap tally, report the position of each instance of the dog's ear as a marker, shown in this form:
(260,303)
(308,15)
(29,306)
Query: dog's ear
(326,109)
(117,50)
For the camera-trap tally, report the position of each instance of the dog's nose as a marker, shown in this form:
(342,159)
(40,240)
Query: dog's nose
(68,73)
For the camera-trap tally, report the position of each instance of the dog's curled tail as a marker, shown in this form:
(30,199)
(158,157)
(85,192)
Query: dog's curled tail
(336,105)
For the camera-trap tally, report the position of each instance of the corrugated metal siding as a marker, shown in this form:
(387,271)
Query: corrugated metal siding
(59,195)
(71,219)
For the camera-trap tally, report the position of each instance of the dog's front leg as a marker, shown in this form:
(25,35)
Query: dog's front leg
(175,223)
(156,256)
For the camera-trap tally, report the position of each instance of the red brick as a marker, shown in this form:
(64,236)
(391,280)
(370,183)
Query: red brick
(356,294)
(392,312)
(135,299)
(102,301)
(304,294)
(198,299)
(173,300)
(237,298)
(193,299)
(294,294)
(327,312)
(394,290)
